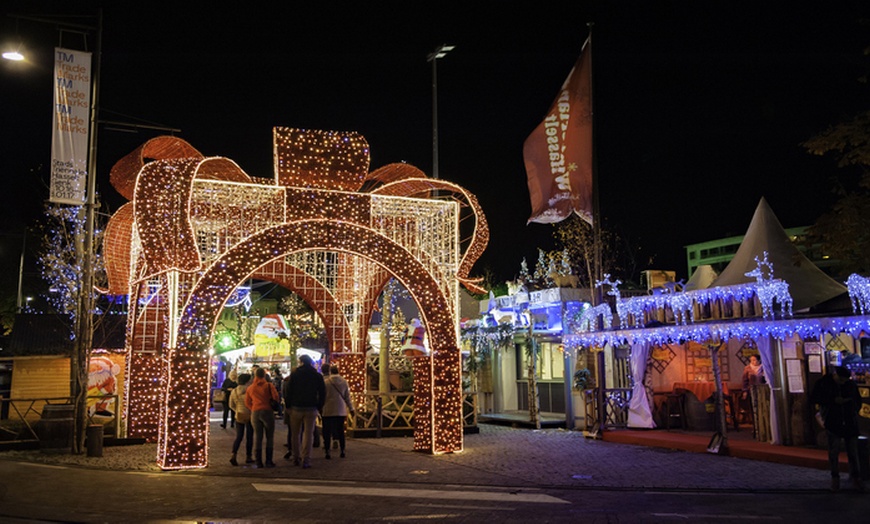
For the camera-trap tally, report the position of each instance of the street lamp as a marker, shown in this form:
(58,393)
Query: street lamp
(15,55)
(13,52)
(84,321)
(440,52)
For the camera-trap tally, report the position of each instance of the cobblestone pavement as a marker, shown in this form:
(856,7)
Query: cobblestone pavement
(497,456)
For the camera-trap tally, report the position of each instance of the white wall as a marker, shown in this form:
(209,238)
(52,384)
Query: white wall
(509,378)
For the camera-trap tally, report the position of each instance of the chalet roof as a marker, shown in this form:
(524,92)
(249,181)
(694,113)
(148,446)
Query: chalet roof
(47,334)
(809,286)
(702,278)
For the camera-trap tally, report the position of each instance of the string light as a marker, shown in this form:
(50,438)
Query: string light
(423,403)
(753,329)
(480,232)
(642,309)
(859,293)
(587,316)
(207,296)
(197,227)
(320,159)
(769,289)
(353,369)
(125,172)
(293,273)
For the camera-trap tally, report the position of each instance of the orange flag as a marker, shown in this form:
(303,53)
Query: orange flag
(558,153)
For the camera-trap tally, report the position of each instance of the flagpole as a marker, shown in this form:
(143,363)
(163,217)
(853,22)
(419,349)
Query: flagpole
(598,296)
(596,210)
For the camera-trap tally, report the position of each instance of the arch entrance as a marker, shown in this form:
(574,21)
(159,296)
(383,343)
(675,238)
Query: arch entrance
(198,227)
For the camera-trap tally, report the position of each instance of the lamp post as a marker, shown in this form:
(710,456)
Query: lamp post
(18,303)
(440,52)
(84,322)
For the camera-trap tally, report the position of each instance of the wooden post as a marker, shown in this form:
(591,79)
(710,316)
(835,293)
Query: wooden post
(384,353)
(722,428)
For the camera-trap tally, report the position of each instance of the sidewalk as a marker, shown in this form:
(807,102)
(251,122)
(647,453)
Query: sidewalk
(496,456)
(741,444)
(738,446)
(506,456)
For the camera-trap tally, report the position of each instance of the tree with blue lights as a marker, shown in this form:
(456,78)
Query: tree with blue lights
(60,254)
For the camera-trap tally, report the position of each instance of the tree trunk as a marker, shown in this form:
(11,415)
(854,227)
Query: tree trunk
(84,336)
(534,398)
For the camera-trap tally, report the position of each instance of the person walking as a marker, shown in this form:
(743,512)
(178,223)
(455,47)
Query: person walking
(839,402)
(259,398)
(335,409)
(305,394)
(244,428)
(289,445)
(278,381)
(227,387)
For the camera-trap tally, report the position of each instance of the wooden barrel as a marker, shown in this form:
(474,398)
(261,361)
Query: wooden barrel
(55,428)
(94,440)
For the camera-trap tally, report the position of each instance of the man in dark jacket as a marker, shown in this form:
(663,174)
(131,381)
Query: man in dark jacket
(304,394)
(839,402)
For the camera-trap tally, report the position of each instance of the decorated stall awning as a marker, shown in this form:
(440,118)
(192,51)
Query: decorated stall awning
(742,329)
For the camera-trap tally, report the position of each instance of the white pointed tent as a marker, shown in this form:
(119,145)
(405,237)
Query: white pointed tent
(702,278)
(809,285)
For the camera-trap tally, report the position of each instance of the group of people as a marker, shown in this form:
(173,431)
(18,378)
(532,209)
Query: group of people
(306,394)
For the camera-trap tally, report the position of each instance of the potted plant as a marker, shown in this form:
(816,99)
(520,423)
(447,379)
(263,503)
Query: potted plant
(582,377)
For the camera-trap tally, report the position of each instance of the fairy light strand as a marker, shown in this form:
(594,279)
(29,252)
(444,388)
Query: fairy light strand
(193,219)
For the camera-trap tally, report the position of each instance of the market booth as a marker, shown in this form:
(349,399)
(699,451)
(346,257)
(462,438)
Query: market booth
(685,347)
(272,349)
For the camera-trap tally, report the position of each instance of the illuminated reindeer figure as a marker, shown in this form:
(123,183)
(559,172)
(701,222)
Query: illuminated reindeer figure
(770,289)
(589,317)
(859,293)
(681,303)
(623,307)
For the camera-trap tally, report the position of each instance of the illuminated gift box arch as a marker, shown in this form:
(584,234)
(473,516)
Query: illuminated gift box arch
(198,227)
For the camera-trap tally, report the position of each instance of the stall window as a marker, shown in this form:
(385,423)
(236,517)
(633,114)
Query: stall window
(551,365)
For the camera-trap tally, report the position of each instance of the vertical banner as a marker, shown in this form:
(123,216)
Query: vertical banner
(558,153)
(70,126)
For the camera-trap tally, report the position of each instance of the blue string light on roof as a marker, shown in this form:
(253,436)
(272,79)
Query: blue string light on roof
(778,329)
(859,293)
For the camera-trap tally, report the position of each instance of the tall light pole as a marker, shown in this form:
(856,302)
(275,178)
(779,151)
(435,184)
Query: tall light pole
(440,52)
(84,321)
(19,304)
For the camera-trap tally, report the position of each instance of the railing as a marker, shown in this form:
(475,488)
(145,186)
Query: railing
(394,413)
(470,406)
(20,428)
(617,400)
(389,412)
(616,403)
(590,401)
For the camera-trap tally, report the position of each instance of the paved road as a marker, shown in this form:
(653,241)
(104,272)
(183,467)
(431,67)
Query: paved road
(512,475)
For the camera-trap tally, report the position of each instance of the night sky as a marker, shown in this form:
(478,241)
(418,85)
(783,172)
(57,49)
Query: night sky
(700,107)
